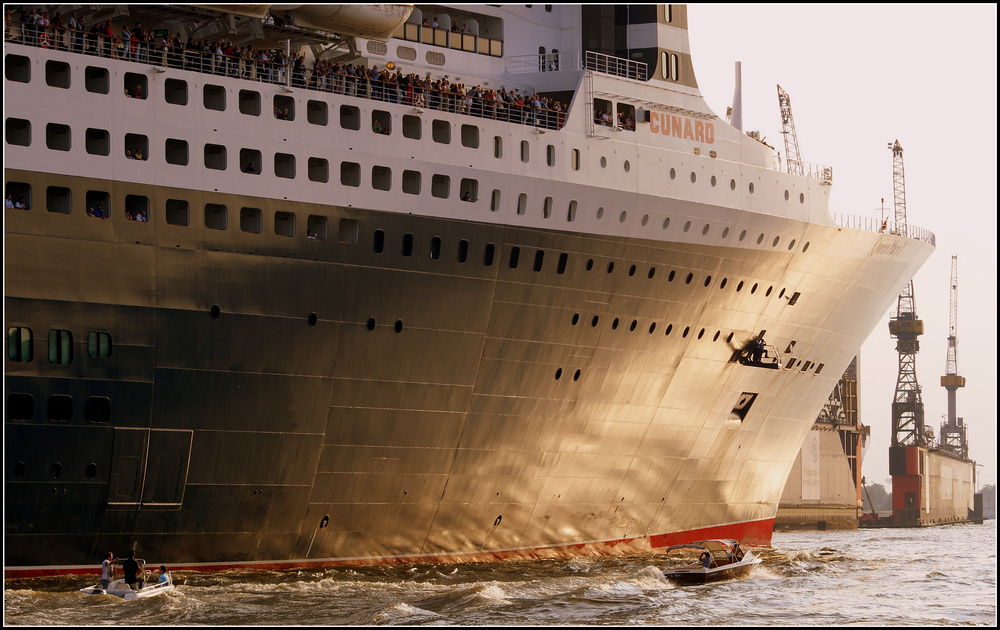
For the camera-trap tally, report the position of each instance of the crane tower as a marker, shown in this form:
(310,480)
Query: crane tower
(953,430)
(907,407)
(792,157)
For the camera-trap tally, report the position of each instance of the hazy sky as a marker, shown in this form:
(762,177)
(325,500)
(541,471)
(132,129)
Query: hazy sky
(860,77)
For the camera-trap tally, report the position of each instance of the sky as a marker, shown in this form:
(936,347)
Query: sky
(860,77)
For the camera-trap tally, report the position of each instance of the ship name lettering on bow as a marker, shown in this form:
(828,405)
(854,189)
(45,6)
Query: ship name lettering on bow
(681,127)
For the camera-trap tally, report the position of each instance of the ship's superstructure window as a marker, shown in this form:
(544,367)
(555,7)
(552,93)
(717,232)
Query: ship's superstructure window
(407,244)
(319,170)
(17,68)
(515,253)
(441,131)
(216,216)
(136,146)
(571,213)
(99,344)
(18,132)
(350,174)
(574,159)
(316,227)
(603,112)
(463,251)
(350,117)
(522,203)
(57,137)
(539,259)
(284,107)
(98,200)
(524,151)
(470,136)
(435,248)
(175,92)
(60,347)
(137,208)
(251,220)
(440,186)
(250,161)
(19,346)
(135,85)
(668,13)
(497,147)
(488,255)
(411,127)
(60,409)
(215,157)
(670,66)
(97,410)
(20,407)
(495,200)
(381,178)
(177,212)
(626,116)
(378,241)
(284,223)
(284,165)
(96,80)
(57,74)
(249,102)
(176,151)
(411,182)
(58,199)
(547,208)
(381,122)
(317,113)
(214,97)
(550,155)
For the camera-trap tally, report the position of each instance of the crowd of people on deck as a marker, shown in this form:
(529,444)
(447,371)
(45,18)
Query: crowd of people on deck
(137,43)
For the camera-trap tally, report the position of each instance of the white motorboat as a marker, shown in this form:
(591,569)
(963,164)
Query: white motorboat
(718,559)
(145,587)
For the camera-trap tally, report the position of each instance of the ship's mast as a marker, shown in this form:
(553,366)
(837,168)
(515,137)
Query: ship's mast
(907,406)
(792,158)
(953,430)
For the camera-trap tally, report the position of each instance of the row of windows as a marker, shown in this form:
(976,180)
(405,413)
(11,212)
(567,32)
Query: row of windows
(21,407)
(21,350)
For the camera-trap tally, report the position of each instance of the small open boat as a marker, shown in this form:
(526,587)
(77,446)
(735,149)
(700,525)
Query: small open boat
(144,588)
(708,561)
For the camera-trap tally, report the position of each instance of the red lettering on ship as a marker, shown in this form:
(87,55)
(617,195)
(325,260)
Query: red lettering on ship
(680,127)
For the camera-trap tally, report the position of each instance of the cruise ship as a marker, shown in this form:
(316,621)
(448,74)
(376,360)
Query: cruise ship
(307,285)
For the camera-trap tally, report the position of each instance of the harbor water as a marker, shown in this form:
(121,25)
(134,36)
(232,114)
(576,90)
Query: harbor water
(916,577)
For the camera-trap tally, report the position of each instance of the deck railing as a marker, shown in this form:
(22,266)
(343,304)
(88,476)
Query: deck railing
(872,224)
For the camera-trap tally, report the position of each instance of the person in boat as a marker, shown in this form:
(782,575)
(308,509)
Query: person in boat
(106,569)
(737,552)
(131,570)
(164,577)
(706,560)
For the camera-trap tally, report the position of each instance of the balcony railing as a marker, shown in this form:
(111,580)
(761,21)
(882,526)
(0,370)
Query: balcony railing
(871,224)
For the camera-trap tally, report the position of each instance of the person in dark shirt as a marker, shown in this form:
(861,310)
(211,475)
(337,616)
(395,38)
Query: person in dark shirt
(131,570)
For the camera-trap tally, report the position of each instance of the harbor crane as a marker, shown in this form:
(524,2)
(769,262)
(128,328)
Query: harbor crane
(908,427)
(953,429)
(793,160)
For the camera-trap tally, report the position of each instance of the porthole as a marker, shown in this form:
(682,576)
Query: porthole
(576,318)
(631,271)
(725,232)
(652,327)
(739,287)
(558,373)
(593,322)
(687,226)
(687,329)
(708,281)
(701,333)
(670,276)
(590,264)
(791,245)
(729,338)
(774,243)
(722,285)
(652,270)
(732,184)
(673,174)
(714,181)
(621,217)
(635,323)
(802,198)
(215,311)
(760,239)
(669,328)
(694,177)
(614,324)
(56,470)
(751,188)
(576,375)
(716,336)
(743,235)
(19,470)
(371,323)
(312,319)
(604,162)
(782,294)
(706,229)
(786,195)
(805,247)
(666,223)
(689,278)
(628,167)
(753,289)
(768,292)
(645,220)
(398,327)
(611,266)
(600,213)
(91,470)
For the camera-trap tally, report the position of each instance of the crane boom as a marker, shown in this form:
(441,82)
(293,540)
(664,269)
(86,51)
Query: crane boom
(792,158)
